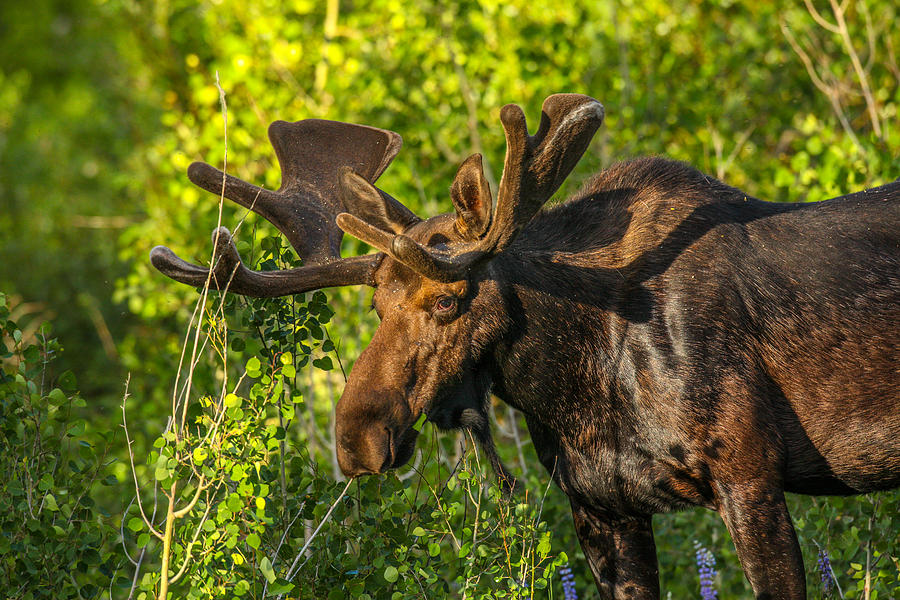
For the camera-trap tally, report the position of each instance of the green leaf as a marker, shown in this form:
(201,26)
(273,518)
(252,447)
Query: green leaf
(254,367)
(57,397)
(77,428)
(323,363)
(391,574)
(199,455)
(242,587)
(67,381)
(265,565)
(337,594)
(419,532)
(135,524)
(420,421)
(50,503)
(280,586)
(253,541)
(465,549)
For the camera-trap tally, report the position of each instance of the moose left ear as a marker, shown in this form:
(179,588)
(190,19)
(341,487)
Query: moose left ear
(471,197)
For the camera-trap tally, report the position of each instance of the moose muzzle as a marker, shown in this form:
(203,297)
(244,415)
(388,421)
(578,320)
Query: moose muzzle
(374,431)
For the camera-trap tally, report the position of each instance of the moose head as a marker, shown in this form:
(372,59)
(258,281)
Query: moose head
(439,305)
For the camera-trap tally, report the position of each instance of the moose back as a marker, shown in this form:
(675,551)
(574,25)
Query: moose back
(671,341)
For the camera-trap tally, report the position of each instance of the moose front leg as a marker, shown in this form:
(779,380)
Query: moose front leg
(621,553)
(760,525)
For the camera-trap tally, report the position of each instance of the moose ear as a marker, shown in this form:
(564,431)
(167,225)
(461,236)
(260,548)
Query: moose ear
(471,197)
(365,201)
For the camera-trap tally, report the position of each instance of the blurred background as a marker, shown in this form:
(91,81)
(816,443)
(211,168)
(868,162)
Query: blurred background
(104,104)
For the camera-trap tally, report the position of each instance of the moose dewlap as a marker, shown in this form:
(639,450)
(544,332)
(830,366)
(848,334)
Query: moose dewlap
(670,341)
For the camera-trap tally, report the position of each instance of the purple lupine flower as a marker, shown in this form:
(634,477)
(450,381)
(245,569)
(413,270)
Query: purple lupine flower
(706,564)
(521,583)
(824,566)
(568,583)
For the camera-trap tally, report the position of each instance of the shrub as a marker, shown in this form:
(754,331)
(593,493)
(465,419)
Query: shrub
(55,541)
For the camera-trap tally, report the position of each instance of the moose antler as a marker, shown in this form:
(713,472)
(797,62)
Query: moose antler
(534,169)
(310,153)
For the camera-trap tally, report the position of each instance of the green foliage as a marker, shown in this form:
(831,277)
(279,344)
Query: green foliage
(104,103)
(55,542)
(860,536)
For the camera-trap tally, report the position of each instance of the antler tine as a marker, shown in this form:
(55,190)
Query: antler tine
(534,168)
(537,165)
(309,152)
(229,272)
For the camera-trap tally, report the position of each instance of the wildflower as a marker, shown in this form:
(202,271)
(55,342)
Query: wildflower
(824,566)
(706,564)
(568,583)
(523,590)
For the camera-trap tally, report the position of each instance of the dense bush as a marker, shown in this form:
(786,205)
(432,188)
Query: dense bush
(103,104)
(55,541)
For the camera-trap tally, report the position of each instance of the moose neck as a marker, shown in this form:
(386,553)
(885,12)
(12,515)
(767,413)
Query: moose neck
(563,320)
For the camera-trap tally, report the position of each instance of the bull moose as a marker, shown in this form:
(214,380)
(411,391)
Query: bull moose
(671,341)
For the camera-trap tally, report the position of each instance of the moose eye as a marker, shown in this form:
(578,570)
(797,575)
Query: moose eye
(444,304)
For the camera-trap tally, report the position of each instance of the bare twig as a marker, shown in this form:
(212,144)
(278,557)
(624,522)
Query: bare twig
(190,546)
(857,66)
(818,18)
(178,427)
(468,97)
(514,425)
(829,90)
(330,29)
(294,568)
(137,487)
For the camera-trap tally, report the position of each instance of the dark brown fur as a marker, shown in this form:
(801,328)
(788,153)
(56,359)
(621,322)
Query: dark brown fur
(671,343)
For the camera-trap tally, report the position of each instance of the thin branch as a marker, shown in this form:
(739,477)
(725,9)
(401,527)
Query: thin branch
(330,28)
(190,505)
(468,98)
(294,568)
(829,91)
(190,546)
(137,573)
(413,469)
(857,66)
(205,293)
(514,425)
(738,146)
(817,16)
(870,36)
(137,487)
(122,534)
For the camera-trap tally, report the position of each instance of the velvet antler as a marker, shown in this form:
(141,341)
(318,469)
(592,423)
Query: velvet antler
(534,169)
(310,153)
